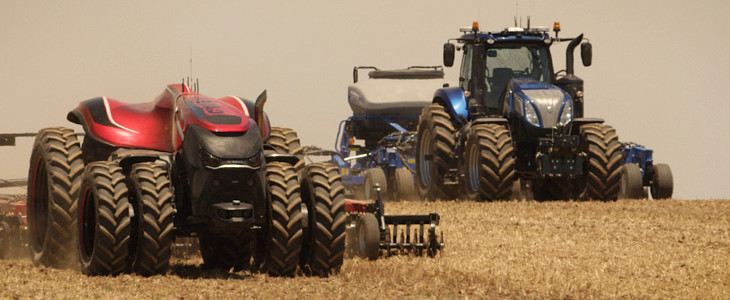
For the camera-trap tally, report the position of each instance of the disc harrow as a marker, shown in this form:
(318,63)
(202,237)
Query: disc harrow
(371,233)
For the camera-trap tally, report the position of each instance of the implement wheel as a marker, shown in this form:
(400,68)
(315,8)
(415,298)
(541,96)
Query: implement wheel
(489,163)
(368,237)
(434,151)
(152,228)
(375,176)
(662,182)
(324,238)
(104,220)
(602,177)
(631,182)
(404,185)
(54,184)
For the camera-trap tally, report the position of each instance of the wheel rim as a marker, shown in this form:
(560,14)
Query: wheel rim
(473,168)
(368,188)
(361,240)
(87,220)
(426,150)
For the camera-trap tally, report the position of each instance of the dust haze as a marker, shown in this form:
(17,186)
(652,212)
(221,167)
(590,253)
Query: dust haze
(659,69)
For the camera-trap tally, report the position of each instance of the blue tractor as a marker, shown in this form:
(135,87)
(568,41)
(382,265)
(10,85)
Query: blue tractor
(640,175)
(513,118)
(376,144)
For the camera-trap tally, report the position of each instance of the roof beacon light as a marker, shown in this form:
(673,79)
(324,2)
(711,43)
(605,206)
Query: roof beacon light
(556,27)
(475,26)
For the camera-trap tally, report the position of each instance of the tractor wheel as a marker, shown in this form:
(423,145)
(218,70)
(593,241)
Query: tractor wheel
(225,253)
(54,183)
(375,176)
(152,228)
(368,237)
(603,162)
(405,188)
(279,244)
(662,182)
(286,140)
(631,182)
(490,163)
(104,220)
(324,238)
(434,150)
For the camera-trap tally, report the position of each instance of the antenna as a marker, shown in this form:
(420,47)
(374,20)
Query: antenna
(191,61)
(517,12)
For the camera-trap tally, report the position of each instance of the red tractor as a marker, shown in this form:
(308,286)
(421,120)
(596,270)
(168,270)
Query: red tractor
(182,165)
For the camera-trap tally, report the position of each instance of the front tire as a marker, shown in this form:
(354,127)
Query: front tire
(603,162)
(490,163)
(324,238)
(152,234)
(54,183)
(104,220)
(434,155)
(280,243)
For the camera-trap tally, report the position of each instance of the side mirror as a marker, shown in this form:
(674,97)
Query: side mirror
(449,51)
(259,113)
(586,53)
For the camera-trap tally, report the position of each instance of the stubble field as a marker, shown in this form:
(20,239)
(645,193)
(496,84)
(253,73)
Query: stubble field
(625,249)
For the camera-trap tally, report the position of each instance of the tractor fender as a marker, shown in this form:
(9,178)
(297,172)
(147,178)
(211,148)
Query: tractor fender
(577,122)
(454,102)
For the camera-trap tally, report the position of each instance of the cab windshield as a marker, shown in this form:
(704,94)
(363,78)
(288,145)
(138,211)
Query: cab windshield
(507,62)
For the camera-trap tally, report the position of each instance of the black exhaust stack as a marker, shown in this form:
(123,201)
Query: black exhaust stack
(569,54)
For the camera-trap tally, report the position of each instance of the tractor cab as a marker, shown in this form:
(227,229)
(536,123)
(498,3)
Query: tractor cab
(491,59)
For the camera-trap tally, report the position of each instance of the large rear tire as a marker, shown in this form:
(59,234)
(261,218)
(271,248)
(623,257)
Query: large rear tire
(152,227)
(280,243)
(662,182)
(603,162)
(286,140)
(375,176)
(54,183)
(490,163)
(104,220)
(324,238)
(434,151)
(405,188)
(631,182)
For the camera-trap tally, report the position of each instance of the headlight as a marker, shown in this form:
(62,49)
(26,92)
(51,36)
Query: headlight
(531,114)
(566,114)
(211,162)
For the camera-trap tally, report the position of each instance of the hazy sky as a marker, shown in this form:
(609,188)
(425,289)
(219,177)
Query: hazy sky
(659,74)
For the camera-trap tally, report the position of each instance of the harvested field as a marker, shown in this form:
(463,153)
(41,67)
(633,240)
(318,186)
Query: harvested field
(625,249)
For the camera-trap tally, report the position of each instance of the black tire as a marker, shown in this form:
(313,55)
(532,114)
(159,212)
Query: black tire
(434,151)
(279,246)
(5,241)
(375,176)
(104,221)
(225,253)
(662,182)
(490,163)
(405,188)
(324,238)
(631,182)
(368,237)
(152,224)
(602,177)
(54,183)
(286,140)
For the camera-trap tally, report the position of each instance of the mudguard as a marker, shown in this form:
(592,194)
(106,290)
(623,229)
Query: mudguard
(454,102)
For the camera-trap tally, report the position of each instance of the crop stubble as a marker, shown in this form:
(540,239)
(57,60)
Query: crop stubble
(624,249)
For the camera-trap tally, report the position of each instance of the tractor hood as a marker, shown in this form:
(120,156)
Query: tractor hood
(540,104)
